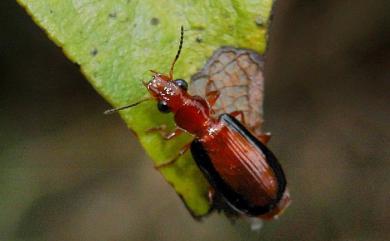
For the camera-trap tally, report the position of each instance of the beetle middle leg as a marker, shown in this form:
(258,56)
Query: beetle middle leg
(212,97)
(239,113)
(264,137)
(181,152)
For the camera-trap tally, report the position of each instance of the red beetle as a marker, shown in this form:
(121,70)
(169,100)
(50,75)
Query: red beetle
(238,166)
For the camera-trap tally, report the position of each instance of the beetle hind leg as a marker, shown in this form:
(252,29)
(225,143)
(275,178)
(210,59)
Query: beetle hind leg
(264,137)
(211,195)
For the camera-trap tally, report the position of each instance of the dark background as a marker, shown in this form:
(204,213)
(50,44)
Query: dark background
(67,172)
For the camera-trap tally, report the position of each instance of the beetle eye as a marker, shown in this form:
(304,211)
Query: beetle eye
(163,107)
(182,84)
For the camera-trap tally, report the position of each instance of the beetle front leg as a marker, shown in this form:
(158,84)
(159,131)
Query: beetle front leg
(175,133)
(166,135)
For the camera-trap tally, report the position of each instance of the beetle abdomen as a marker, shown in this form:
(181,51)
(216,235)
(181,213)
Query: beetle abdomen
(242,169)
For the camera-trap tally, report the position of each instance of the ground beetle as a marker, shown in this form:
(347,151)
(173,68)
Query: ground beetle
(238,166)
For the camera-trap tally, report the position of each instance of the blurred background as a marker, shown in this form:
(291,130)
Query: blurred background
(67,172)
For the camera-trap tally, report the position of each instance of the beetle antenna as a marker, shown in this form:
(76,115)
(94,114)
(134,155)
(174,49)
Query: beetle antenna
(110,111)
(178,52)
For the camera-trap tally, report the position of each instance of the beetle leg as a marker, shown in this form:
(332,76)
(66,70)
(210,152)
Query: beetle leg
(170,135)
(239,113)
(162,129)
(265,137)
(211,195)
(181,152)
(212,97)
(166,135)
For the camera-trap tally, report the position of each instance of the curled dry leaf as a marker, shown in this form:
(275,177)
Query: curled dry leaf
(238,75)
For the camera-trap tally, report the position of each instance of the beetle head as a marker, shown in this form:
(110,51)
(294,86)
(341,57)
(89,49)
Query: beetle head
(169,93)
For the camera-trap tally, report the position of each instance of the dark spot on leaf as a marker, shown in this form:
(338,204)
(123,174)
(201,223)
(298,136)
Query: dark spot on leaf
(199,28)
(94,52)
(112,15)
(154,21)
(199,39)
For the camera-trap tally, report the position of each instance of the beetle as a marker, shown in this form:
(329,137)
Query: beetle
(238,165)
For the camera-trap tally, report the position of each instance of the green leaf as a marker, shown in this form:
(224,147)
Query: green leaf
(117,42)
